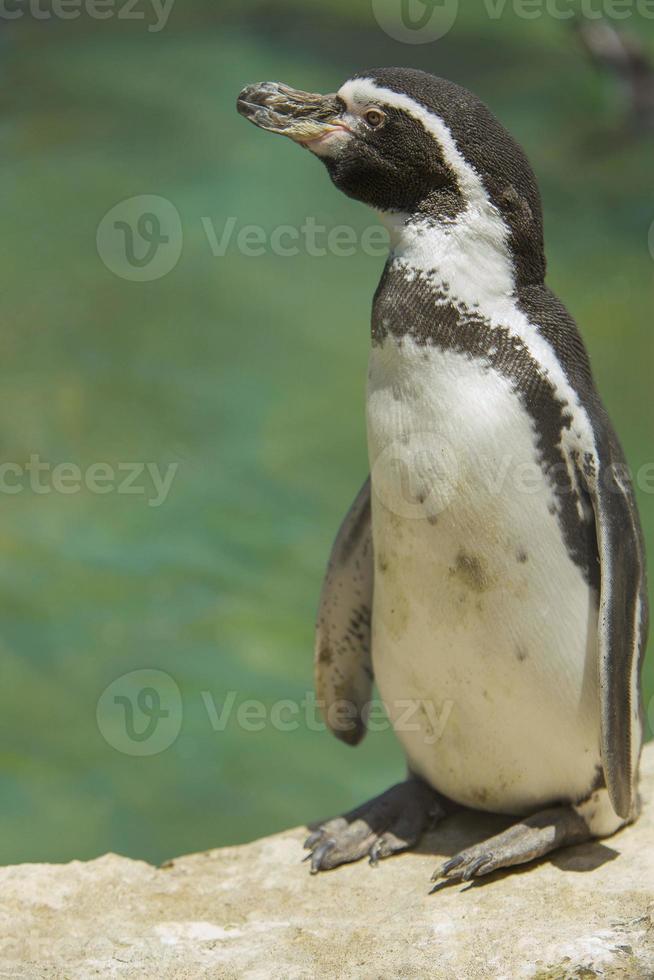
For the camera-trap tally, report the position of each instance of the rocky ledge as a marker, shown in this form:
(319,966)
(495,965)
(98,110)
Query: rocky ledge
(254,913)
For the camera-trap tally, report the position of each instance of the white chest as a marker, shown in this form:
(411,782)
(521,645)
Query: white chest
(481,620)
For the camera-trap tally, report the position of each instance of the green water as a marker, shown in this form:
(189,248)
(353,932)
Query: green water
(248,373)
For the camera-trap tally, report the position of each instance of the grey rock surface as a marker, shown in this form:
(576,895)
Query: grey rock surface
(254,912)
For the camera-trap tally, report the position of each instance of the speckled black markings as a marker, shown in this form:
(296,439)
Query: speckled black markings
(357,634)
(437,320)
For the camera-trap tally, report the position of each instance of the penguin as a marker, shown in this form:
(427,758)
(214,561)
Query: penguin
(490,574)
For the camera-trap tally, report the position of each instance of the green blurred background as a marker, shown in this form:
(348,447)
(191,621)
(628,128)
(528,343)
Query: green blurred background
(249,374)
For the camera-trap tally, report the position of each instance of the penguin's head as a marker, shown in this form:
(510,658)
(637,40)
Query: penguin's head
(406,142)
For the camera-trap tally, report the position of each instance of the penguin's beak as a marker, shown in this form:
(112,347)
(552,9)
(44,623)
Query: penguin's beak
(304,117)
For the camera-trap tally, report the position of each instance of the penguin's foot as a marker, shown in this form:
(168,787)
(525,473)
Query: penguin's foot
(525,841)
(390,823)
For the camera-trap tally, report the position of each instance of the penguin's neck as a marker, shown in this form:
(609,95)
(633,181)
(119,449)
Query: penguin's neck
(466,258)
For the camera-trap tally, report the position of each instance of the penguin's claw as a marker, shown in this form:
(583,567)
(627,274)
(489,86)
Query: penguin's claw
(445,869)
(320,854)
(463,867)
(528,840)
(386,825)
(384,846)
(375,854)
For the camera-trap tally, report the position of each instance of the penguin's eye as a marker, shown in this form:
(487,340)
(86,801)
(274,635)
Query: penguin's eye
(375,118)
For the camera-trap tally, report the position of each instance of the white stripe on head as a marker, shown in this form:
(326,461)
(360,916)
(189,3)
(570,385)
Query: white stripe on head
(360,92)
(477,238)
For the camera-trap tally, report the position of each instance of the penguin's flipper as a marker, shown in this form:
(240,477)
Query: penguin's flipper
(623,619)
(343,665)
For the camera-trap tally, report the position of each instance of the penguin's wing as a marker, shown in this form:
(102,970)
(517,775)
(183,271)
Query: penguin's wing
(623,617)
(343,666)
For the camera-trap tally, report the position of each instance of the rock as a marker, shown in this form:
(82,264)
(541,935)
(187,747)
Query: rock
(255,913)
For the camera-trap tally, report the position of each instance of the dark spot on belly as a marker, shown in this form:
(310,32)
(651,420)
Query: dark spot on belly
(470,570)
(382,563)
(432,519)
(521,653)
(521,555)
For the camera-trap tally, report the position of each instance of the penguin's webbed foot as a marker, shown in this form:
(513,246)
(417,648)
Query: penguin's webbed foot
(388,824)
(526,841)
